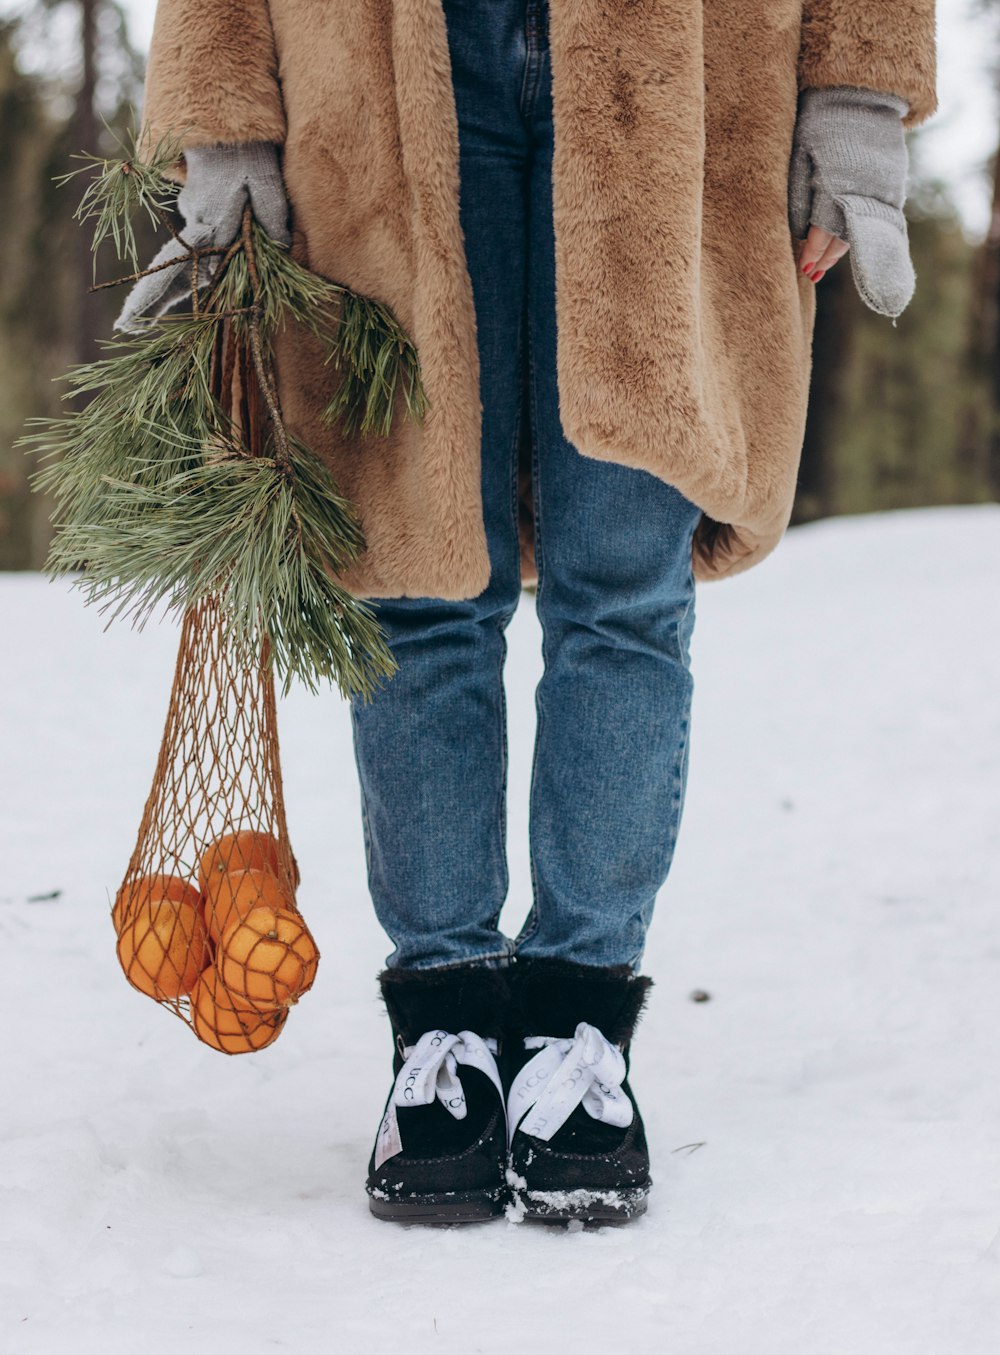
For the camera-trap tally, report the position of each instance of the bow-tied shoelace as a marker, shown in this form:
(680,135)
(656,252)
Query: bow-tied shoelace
(429,1073)
(586,1070)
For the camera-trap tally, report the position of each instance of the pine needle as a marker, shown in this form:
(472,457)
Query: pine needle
(375,358)
(238,527)
(122,187)
(160,501)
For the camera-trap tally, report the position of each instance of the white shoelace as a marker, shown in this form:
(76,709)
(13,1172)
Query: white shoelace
(430,1072)
(564,1074)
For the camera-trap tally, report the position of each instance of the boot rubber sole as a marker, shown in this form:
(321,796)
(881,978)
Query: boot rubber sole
(586,1206)
(454,1207)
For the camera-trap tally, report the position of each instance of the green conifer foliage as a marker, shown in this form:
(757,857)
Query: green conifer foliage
(174,476)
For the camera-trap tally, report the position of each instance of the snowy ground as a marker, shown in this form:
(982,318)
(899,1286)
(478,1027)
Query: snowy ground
(835,892)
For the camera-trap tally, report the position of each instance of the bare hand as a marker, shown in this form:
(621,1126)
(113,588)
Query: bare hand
(819,251)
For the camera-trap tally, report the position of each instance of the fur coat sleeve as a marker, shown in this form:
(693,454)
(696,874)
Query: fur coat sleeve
(872,44)
(213,73)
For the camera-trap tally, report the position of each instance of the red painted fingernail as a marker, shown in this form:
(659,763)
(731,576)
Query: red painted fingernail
(806,267)
(820,274)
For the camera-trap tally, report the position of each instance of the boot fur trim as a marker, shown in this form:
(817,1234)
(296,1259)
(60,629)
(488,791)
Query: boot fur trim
(454,998)
(551,997)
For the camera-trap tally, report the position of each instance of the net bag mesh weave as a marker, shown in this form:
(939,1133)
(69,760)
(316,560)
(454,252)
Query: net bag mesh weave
(206,916)
(212,846)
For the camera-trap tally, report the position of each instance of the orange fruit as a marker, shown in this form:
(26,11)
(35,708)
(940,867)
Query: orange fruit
(145,889)
(163,947)
(268,959)
(246,850)
(238,893)
(224,1026)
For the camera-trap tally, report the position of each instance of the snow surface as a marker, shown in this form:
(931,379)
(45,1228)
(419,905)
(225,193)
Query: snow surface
(826,1128)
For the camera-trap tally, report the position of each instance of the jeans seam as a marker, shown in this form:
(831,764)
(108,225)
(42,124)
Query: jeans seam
(365,825)
(686,622)
(533,58)
(677,798)
(684,629)
(502,796)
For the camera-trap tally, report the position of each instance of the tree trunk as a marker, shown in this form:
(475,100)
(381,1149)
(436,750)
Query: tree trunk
(991,346)
(84,137)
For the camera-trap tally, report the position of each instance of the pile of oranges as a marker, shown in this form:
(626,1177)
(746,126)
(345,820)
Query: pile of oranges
(235,944)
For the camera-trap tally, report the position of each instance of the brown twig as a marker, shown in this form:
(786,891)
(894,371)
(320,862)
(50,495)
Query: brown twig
(246,236)
(213,287)
(262,364)
(154,268)
(165,220)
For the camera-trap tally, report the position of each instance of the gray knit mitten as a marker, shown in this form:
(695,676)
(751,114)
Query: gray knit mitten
(848,176)
(219,181)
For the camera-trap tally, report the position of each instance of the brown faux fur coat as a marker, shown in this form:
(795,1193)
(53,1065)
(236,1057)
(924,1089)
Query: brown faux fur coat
(684,325)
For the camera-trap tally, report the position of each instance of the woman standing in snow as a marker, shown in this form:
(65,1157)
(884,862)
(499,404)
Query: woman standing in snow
(589,216)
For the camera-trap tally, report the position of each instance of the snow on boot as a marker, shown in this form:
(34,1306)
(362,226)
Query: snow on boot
(441,1150)
(577,1141)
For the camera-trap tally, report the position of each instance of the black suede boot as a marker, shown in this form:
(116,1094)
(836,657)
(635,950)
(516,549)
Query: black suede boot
(564,1162)
(441,1151)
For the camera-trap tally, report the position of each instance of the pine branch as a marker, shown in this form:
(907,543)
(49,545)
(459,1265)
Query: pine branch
(123,187)
(228,525)
(179,479)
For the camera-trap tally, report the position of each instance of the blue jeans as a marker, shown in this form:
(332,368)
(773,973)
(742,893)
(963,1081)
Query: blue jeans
(615,598)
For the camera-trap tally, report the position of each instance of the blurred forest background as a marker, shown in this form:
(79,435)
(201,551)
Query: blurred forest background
(900,417)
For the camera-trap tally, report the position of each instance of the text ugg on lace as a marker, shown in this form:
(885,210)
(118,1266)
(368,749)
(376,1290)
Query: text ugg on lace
(429,1073)
(587,1070)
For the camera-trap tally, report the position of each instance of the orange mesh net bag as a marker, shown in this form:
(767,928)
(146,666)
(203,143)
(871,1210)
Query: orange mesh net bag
(177,481)
(206,916)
